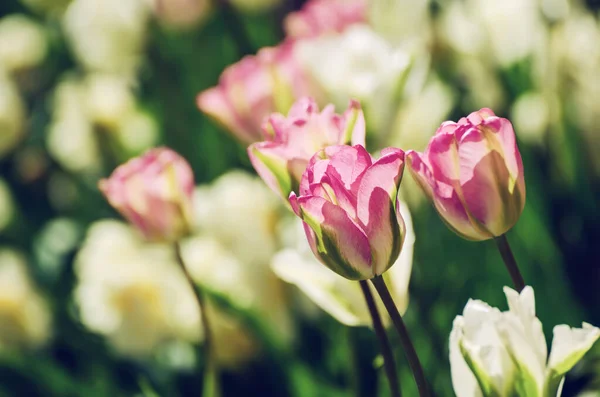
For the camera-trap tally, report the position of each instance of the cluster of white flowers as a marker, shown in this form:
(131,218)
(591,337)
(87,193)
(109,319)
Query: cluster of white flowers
(494,353)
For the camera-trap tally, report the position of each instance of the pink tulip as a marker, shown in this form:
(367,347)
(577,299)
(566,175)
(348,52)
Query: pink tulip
(473,173)
(291,141)
(154,193)
(252,89)
(319,17)
(349,206)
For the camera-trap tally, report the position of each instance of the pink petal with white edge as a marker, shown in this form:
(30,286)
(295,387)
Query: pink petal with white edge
(354,115)
(348,163)
(375,208)
(341,244)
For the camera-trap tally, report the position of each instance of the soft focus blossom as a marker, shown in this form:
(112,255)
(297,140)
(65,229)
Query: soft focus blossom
(108,99)
(252,89)
(319,17)
(473,172)
(181,14)
(71,138)
(241,236)
(154,192)
(507,31)
(12,115)
(25,319)
(348,202)
(400,22)
(494,353)
(339,297)
(133,292)
(107,35)
(359,65)
(291,141)
(23,43)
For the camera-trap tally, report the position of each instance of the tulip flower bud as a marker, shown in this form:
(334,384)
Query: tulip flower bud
(348,203)
(473,173)
(252,89)
(290,142)
(154,193)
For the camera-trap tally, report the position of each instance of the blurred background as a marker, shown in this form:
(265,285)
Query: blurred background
(87,308)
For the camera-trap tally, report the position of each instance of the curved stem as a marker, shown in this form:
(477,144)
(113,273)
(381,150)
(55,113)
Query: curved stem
(210,387)
(409,349)
(510,262)
(389,363)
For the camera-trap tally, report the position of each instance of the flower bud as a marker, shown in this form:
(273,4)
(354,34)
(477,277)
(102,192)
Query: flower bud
(154,193)
(291,141)
(473,172)
(348,203)
(252,89)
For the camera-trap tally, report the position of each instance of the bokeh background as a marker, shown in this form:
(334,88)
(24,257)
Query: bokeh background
(89,309)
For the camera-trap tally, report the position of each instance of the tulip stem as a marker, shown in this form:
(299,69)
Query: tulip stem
(409,349)
(210,386)
(510,262)
(389,363)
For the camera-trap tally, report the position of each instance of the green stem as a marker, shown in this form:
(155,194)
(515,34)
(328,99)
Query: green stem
(409,349)
(510,262)
(389,363)
(210,386)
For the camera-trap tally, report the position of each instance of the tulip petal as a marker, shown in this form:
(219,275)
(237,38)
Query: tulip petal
(444,197)
(214,103)
(341,244)
(376,202)
(484,180)
(569,345)
(465,384)
(269,161)
(347,164)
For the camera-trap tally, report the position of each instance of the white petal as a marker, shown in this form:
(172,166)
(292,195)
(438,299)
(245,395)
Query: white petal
(569,345)
(339,297)
(523,337)
(463,380)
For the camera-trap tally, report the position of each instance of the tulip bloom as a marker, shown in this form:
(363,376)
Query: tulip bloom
(494,353)
(348,203)
(473,173)
(252,89)
(154,193)
(319,17)
(291,141)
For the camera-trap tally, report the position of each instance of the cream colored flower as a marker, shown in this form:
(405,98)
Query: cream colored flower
(25,320)
(23,43)
(71,138)
(181,14)
(361,65)
(108,35)
(494,353)
(133,292)
(235,243)
(339,297)
(240,212)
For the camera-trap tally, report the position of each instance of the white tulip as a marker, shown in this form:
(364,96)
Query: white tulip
(23,43)
(494,353)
